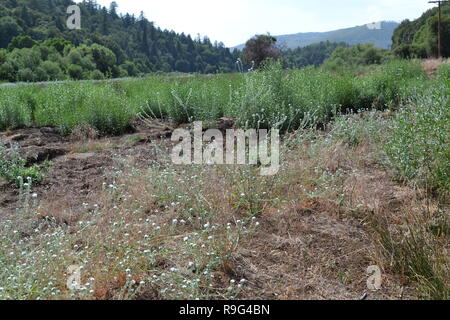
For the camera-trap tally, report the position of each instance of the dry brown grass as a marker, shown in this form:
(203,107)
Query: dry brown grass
(315,242)
(331,212)
(431,65)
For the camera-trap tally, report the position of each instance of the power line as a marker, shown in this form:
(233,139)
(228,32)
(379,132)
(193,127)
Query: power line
(440,2)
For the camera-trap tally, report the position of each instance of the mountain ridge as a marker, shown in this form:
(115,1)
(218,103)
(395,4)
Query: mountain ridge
(353,35)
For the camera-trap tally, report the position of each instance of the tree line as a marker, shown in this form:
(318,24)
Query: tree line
(34,40)
(36,45)
(418,38)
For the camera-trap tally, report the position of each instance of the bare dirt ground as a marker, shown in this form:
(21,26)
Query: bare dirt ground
(305,250)
(78,168)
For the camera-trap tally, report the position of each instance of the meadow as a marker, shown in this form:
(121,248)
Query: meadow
(367,147)
(286,99)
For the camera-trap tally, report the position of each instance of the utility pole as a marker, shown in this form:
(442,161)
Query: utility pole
(440,2)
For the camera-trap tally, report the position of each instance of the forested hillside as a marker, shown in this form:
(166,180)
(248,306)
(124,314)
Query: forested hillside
(312,55)
(418,38)
(37,45)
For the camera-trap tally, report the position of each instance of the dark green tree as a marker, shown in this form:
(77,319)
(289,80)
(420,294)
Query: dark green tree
(259,49)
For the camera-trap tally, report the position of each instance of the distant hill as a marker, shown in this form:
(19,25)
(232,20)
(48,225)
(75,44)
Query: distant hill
(361,34)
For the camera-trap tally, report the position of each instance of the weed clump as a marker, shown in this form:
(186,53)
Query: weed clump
(14,170)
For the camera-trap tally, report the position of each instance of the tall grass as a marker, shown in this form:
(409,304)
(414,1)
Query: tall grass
(417,250)
(14,111)
(271,97)
(75,104)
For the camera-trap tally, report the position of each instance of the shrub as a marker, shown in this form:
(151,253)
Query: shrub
(13,167)
(419,144)
(387,86)
(261,100)
(358,128)
(52,70)
(75,72)
(26,75)
(96,75)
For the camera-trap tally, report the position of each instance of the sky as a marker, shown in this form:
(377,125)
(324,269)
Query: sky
(235,21)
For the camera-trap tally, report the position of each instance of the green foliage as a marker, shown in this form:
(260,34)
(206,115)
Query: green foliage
(14,112)
(391,85)
(9,28)
(52,70)
(13,167)
(56,59)
(292,99)
(418,38)
(444,72)
(356,129)
(312,55)
(68,106)
(415,251)
(105,42)
(419,144)
(355,56)
(21,42)
(270,97)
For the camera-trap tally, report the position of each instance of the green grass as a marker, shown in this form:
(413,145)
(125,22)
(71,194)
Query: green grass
(14,111)
(266,98)
(444,72)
